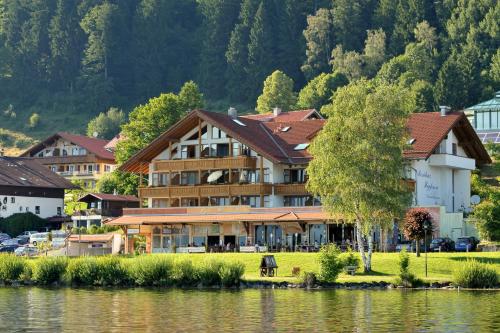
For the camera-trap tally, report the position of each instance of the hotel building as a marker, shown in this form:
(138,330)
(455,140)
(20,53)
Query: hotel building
(227,180)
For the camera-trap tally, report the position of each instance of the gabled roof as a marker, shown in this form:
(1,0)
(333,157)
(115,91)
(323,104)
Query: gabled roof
(110,197)
(277,140)
(92,145)
(26,172)
(430,128)
(491,104)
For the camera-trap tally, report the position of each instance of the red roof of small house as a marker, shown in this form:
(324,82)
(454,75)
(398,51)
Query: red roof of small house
(92,145)
(277,140)
(111,197)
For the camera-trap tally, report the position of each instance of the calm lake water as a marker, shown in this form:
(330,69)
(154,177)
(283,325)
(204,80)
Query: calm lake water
(147,310)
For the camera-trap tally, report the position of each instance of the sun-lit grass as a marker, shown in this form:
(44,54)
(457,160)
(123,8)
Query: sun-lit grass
(385,265)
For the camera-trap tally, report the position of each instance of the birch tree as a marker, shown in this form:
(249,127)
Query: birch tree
(358,159)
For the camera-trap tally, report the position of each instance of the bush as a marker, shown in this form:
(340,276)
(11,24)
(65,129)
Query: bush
(473,274)
(330,263)
(19,222)
(309,279)
(111,272)
(48,270)
(184,273)
(350,258)
(208,272)
(231,274)
(406,278)
(83,271)
(11,267)
(152,270)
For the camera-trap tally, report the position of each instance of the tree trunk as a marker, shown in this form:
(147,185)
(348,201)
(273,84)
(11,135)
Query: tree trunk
(417,247)
(361,246)
(368,265)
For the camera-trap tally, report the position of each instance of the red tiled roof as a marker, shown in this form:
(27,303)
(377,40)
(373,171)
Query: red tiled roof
(92,145)
(266,135)
(111,197)
(113,142)
(430,128)
(298,115)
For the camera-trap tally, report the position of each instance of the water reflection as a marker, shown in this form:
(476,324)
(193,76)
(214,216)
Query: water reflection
(142,310)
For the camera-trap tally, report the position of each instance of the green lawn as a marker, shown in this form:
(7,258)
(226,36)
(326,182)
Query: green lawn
(385,265)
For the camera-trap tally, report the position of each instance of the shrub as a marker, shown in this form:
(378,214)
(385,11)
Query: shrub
(152,270)
(473,274)
(17,223)
(330,263)
(231,273)
(11,267)
(208,272)
(48,270)
(309,279)
(350,258)
(111,272)
(406,278)
(184,273)
(83,271)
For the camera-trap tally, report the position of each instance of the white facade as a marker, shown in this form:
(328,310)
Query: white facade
(43,207)
(444,178)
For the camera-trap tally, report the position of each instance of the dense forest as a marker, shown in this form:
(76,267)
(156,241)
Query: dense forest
(62,62)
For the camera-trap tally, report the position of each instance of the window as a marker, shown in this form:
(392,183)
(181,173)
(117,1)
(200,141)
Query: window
(219,201)
(74,151)
(107,168)
(299,201)
(301,146)
(37,210)
(12,199)
(285,129)
(27,209)
(454,148)
(64,152)
(90,168)
(97,168)
(219,149)
(59,211)
(203,134)
(245,150)
(40,154)
(188,152)
(82,151)
(217,133)
(252,201)
(160,203)
(411,141)
(53,168)
(189,202)
(295,176)
(159,179)
(236,148)
(239,122)
(189,178)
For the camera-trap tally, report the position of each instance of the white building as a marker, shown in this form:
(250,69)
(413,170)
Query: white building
(27,186)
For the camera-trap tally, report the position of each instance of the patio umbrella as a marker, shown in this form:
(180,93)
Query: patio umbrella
(214,176)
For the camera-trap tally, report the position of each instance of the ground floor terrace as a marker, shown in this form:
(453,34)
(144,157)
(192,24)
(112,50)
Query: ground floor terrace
(234,229)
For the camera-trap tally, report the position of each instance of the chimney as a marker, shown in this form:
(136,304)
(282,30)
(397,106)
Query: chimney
(444,110)
(232,112)
(276,111)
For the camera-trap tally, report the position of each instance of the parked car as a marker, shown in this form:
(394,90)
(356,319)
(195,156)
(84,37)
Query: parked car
(442,244)
(4,237)
(28,233)
(59,238)
(405,244)
(39,238)
(15,241)
(25,251)
(8,248)
(466,244)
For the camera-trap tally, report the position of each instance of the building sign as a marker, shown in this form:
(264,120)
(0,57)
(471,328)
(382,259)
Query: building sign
(133,231)
(431,190)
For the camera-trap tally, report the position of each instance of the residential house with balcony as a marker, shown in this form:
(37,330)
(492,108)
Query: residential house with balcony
(75,157)
(101,207)
(226,179)
(27,186)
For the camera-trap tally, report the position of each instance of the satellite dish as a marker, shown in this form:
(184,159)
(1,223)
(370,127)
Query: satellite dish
(475,199)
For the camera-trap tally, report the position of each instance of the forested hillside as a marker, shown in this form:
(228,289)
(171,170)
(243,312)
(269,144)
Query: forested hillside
(66,61)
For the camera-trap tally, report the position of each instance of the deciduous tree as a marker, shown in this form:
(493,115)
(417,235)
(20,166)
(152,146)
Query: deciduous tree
(414,222)
(277,92)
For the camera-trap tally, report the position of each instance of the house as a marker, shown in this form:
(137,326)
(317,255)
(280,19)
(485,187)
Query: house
(218,179)
(28,186)
(93,245)
(75,157)
(485,118)
(101,207)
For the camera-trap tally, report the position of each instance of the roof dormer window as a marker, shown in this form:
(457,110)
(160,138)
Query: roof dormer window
(301,146)
(285,129)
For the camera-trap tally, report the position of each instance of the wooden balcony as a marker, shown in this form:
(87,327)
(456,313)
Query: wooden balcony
(89,158)
(206,164)
(290,189)
(194,191)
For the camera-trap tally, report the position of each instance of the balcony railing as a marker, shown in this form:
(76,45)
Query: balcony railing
(290,189)
(76,173)
(224,190)
(206,164)
(69,159)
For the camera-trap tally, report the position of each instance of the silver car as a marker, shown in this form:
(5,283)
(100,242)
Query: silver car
(25,251)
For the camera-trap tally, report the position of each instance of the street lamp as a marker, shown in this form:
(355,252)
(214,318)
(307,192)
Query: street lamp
(426,227)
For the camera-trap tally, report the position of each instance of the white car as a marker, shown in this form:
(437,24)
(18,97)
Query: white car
(25,251)
(39,238)
(28,233)
(59,238)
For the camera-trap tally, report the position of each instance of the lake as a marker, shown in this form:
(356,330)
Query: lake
(255,310)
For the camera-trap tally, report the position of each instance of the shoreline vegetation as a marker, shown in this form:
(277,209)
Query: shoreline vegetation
(234,270)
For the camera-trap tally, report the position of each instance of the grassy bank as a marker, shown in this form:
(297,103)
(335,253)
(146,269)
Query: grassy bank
(385,265)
